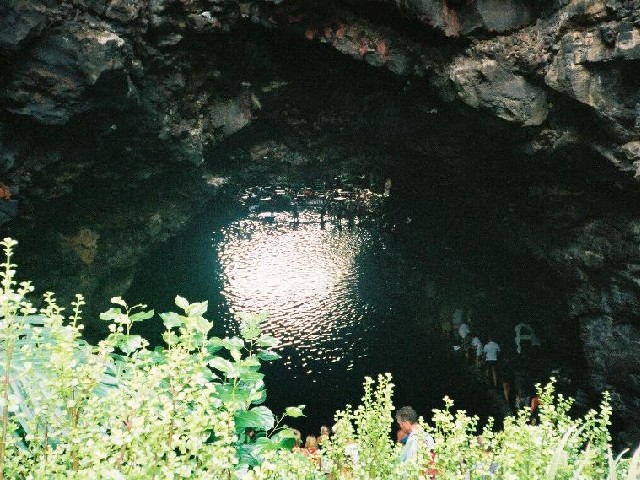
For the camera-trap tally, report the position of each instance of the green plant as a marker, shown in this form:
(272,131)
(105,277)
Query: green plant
(366,432)
(457,449)
(120,410)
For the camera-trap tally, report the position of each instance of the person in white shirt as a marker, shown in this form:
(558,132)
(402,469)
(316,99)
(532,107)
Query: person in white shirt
(491,351)
(407,420)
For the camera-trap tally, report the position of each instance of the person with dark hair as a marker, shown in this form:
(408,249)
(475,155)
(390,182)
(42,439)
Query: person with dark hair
(407,420)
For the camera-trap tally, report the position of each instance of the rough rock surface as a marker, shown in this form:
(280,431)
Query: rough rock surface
(115,107)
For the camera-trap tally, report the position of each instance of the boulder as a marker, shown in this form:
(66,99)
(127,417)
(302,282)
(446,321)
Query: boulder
(487,84)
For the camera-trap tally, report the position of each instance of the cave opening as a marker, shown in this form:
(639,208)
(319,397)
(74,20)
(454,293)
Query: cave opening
(134,167)
(472,221)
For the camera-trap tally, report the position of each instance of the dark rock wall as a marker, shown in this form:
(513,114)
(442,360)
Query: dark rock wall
(114,114)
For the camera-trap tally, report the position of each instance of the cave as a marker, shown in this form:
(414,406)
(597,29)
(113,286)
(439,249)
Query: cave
(509,130)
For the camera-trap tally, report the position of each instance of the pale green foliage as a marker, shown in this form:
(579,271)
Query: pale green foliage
(121,411)
(559,447)
(366,430)
(456,445)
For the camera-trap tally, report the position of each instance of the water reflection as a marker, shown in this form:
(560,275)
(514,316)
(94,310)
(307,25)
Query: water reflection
(306,278)
(345,302)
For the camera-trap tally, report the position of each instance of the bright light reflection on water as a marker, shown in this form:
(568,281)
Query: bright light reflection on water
(306,278)
(345,303)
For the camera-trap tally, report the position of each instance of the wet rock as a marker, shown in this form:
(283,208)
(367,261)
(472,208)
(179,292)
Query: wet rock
(503,15)
(8,210)
(230,115)
(124,10)
(456,18)
(53,83)
(170,40)
(586,11)
(571,73)
(486,84)
(628,43)
(612,351)
(21,21)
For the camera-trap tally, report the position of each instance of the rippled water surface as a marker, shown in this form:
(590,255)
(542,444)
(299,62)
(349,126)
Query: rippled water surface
(341,300)
(307,278)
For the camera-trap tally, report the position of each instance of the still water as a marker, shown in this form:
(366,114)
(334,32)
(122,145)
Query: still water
(340,299)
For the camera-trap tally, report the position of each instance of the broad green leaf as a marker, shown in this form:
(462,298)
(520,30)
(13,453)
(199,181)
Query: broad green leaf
(247,375)
(260,418)
(294,412)
(250,326)
(221,364)
(232,396)
(197,308)
(258,397)
(110,314)
(267,341)
(250,333)
(234,372)
(140,316)
(202,325)
(215,341)
(212,348)
(119,301)
(248,454)
(171,319)
(266,444)
(285,438)
(234,342)
(130,343)
(251,361)
(235,354)
(182,303)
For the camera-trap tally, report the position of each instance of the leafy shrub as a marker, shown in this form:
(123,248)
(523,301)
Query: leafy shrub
(121,410)
(361,447)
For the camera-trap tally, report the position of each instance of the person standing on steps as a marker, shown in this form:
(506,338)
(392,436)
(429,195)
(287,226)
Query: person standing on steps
(491,351)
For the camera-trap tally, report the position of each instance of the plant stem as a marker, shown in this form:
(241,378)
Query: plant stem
(5,407)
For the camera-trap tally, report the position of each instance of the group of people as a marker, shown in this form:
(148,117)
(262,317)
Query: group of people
(474,351)
(410,435)
(497,364)
(312,446)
